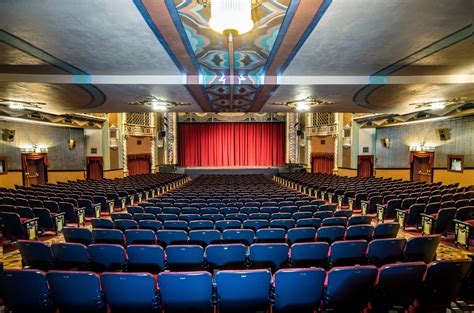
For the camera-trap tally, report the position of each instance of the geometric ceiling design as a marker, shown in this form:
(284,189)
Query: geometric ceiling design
(259,54)
(377,56)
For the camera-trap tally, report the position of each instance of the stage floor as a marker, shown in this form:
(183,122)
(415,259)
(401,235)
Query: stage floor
(196,171)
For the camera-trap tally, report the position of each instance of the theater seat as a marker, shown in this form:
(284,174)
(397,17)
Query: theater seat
(397,286)
(77,292)
(243,291)
(349,252)
(330,234)
(186,292)
(385,251)
(145,258)
(204,237)
(27,291)
(107,257)
(348,288)
(226,256)
(313,254)
(271,235)
(298,290)
(269,255)
(130,292)
(78,235)
(70,256)
(441,284)
(185,258)
(35,254)
(421,248)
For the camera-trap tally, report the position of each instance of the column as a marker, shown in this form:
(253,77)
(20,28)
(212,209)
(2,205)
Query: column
(309,123)
(336,143)
(124,145)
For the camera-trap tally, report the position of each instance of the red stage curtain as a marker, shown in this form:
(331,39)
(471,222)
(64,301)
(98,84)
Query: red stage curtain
(94,167)
(231,144)
(323,163)
(138,164)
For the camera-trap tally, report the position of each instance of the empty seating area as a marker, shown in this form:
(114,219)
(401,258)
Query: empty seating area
(342,289)
(428,208)
(27,211)
(235,243)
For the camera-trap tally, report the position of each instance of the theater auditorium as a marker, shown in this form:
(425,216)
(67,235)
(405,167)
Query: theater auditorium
(236,156)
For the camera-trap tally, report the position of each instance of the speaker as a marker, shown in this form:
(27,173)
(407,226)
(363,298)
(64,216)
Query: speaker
(8,135)
(386,142)
(444,134)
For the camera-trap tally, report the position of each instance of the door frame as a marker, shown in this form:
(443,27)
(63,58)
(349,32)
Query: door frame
(371,159)
(33,156)
(94,158)
(422,154)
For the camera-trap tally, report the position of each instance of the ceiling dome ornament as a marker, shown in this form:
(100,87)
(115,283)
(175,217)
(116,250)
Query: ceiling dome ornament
(157,104)
(304,105)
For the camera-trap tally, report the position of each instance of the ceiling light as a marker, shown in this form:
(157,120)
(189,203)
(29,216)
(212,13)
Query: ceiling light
(16,106)
(231,16)
(302,106)
(159,106)
(438,105)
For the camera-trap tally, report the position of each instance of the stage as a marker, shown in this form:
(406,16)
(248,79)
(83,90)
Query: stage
(196,171)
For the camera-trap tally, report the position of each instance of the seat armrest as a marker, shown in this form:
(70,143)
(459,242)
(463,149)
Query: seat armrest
(427,216)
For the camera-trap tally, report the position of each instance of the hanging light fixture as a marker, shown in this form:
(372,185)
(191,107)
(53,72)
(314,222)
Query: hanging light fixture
(231,16)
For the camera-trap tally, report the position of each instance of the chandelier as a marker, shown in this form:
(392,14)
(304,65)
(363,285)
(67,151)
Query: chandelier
(231,17)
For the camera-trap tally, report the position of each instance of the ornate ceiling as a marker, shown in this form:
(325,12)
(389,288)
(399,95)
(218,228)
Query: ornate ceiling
(376,56)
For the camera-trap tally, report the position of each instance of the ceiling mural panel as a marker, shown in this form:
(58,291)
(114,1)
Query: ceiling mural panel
(251,51)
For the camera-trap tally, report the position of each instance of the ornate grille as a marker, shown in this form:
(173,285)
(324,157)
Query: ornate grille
(139,118)
(323,118)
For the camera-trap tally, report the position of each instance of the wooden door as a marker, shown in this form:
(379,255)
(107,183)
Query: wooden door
(422,167)
(34,170)
(365,166)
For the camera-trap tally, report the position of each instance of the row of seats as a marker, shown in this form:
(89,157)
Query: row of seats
(204,237)
(188,221)
(342,289)
(151,258)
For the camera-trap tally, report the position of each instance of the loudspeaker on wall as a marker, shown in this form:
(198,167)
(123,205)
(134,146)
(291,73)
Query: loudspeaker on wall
(8,135)
(444,134)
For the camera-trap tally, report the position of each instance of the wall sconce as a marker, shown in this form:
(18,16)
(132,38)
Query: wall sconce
(34,149)
(71,144)
(386,143)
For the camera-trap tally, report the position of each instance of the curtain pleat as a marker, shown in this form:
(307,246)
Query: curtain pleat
(231,144)
(138,164)
(323,163)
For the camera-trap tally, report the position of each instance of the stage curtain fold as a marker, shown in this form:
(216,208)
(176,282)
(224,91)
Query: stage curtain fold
(231,144)
(323,163)
(138,164)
